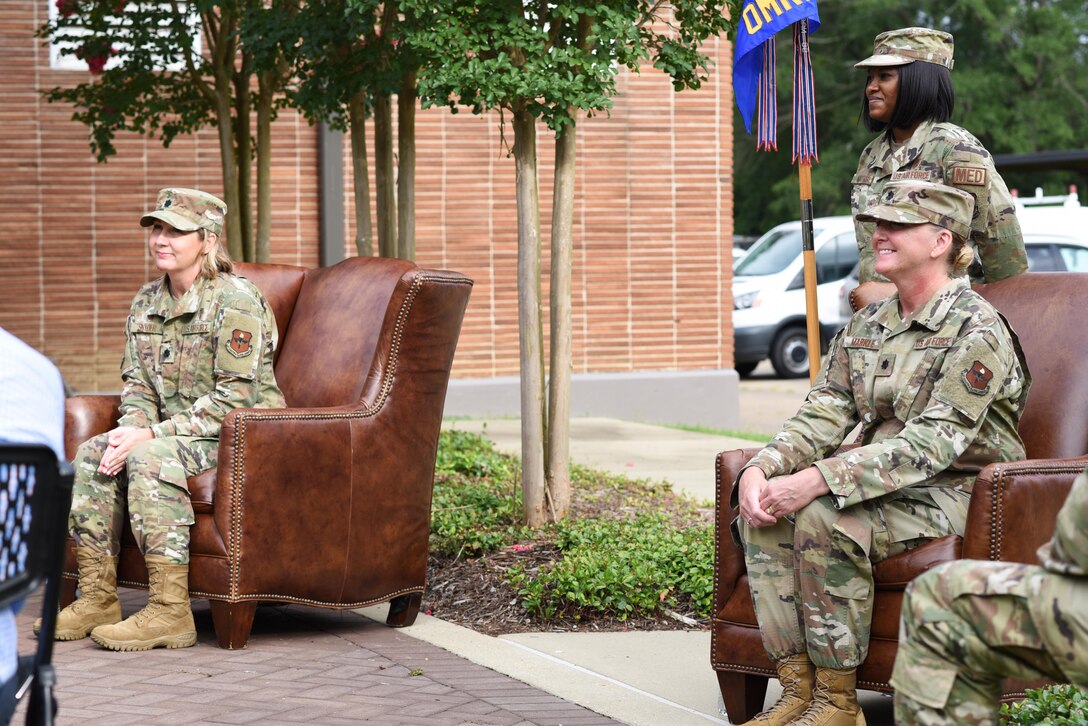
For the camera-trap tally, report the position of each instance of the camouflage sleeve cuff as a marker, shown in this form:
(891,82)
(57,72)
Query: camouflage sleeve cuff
(840,481)
(164,429)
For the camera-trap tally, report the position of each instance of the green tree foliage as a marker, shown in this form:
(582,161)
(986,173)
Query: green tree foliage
(549,62)
(1019,80)
(162,86)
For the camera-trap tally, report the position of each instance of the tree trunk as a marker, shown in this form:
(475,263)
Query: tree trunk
(243,142)
(383,173)
(406,167)
(533,481)
(364,230)
(560,353)
(228,157)
(266,85)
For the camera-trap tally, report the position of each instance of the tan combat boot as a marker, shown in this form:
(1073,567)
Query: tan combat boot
(797,677)
(166,622)
(97,603)
(834,700)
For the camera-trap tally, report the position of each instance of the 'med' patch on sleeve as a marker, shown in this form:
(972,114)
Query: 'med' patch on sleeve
(239,351)
(969,176)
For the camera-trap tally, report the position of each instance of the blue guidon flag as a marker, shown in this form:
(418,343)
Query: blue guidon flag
(754,71)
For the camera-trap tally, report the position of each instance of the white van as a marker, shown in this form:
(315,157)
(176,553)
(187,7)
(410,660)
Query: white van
(769,294)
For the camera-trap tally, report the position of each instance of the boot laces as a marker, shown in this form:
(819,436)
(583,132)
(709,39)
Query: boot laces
(821,700)
(148,613)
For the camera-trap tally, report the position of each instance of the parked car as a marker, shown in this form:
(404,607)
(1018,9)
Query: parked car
(769,294)
(1055,230)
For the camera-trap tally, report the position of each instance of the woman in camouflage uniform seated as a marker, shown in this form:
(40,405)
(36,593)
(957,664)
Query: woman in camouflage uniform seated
(909,97)
(933,377)
(199,343)
(967,625)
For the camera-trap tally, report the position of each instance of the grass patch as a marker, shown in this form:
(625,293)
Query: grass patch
(630,548)
(699,429)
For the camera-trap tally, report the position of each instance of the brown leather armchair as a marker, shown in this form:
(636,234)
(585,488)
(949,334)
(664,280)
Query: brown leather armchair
(325,503)
(1012,511)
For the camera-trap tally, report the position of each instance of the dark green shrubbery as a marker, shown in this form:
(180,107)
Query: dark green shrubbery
(1061,705)
(644,549)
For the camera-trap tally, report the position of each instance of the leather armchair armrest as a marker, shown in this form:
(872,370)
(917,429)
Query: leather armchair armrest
(87,416)
(728,557)
(347,485)
(1014,507)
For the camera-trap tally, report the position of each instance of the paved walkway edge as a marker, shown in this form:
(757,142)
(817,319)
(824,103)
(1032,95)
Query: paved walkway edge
(571,682)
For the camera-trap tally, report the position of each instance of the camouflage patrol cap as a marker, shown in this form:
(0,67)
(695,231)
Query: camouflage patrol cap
(188,210)
(906,45)
(912,201)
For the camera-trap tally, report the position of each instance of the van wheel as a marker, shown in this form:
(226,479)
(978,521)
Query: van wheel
(789,353)
(745,369)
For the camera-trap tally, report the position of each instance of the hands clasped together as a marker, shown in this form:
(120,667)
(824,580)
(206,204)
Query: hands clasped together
(121,439)
(762,502)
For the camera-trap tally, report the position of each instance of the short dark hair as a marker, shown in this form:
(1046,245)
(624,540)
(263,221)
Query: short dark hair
(925,94)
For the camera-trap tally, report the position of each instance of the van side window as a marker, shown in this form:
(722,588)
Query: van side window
(836,258)
(1075,258)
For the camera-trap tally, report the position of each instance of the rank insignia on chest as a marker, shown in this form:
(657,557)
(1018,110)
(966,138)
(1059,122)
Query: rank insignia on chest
(885,365)
(977,378)
(239,343)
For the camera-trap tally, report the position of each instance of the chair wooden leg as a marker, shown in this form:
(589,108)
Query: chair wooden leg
(67,592)
(743,694)
(233,621)
(403,610)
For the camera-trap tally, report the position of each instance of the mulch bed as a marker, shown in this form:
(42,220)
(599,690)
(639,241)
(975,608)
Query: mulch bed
(471,592)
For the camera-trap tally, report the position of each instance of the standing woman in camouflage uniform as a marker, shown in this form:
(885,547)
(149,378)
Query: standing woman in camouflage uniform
(933,377)
(967,625)
(199,344)
(909,97)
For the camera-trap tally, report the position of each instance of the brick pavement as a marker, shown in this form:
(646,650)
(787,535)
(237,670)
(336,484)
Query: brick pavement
(302,665)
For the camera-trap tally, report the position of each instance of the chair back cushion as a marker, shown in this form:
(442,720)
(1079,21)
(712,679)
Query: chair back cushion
(1046,310)
(329,346)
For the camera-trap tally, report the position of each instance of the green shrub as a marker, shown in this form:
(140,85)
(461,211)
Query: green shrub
(1060,705)
(477,501)
(632,568)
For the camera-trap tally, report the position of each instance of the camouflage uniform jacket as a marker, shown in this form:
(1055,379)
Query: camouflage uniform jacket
(1060,604)
(938,396)
(188,362)
(943,152)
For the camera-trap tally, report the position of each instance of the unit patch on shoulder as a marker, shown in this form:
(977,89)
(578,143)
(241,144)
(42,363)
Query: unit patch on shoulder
(969,176)
(239,343)
(977,378)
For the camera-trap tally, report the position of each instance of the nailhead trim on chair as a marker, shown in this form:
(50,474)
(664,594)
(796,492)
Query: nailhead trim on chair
(238,477)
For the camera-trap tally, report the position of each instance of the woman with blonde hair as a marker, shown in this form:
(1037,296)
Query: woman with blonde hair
(933,377)
(198,344)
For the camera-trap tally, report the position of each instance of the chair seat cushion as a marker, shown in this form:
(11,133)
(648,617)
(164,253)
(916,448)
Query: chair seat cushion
(895,572)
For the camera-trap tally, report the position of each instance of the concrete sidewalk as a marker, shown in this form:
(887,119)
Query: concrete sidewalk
(642,678)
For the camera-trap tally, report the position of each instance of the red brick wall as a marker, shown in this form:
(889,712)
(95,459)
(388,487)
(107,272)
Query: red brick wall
(653,219)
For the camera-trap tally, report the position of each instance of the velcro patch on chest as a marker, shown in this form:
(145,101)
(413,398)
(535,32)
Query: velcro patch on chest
(885,365)
(867,343)
(969,176)
(912,174)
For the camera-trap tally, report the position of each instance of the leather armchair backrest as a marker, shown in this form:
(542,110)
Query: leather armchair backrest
(1047,309)
(329,346)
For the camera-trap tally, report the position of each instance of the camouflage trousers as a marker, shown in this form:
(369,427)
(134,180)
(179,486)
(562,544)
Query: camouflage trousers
(812,578)
(152,486)
(965,626)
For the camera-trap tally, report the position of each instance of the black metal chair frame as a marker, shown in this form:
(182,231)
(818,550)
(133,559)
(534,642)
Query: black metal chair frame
(35,496)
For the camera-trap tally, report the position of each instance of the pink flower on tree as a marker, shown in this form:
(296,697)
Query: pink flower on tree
(67,8)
